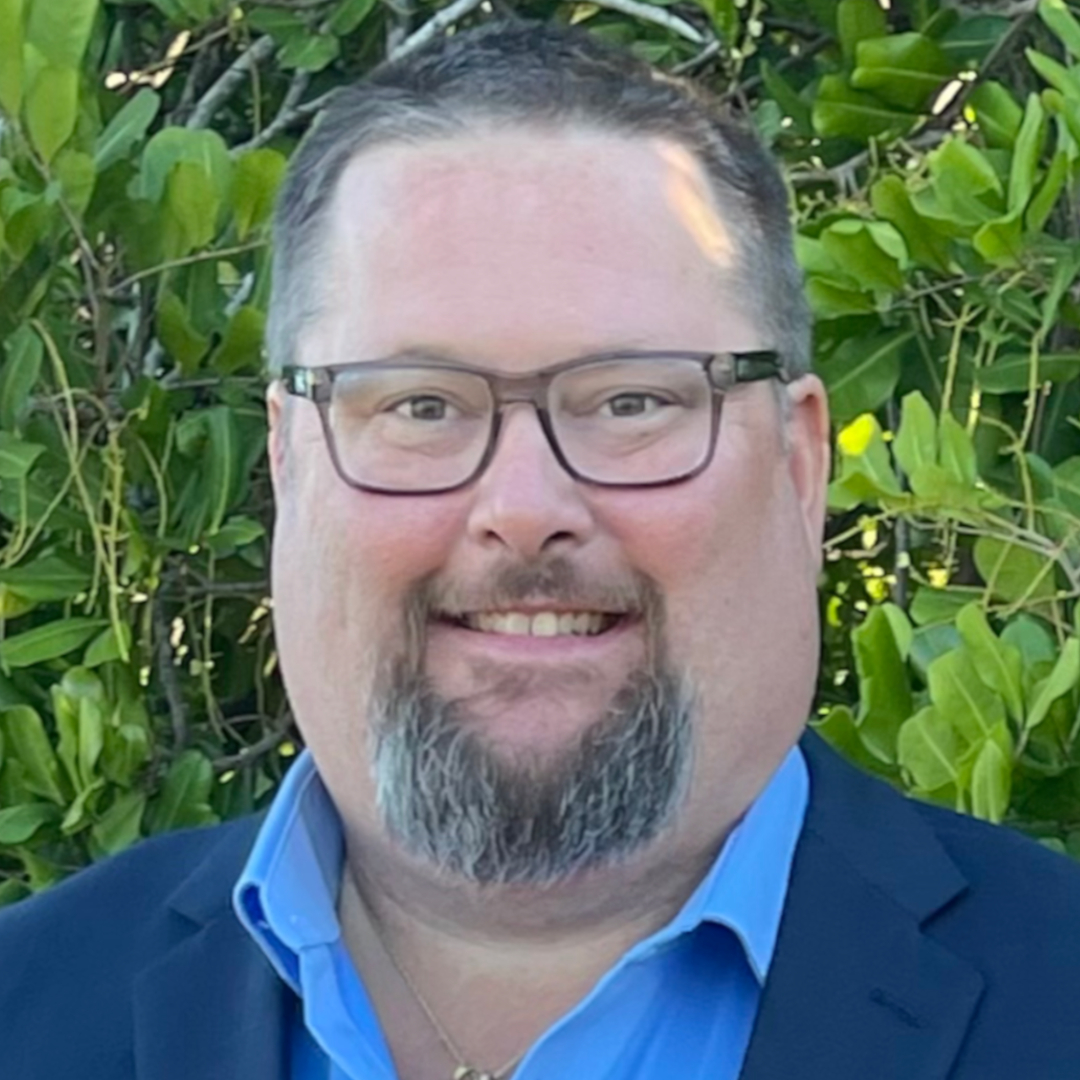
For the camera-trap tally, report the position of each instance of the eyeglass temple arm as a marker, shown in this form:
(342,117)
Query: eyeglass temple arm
(762,364)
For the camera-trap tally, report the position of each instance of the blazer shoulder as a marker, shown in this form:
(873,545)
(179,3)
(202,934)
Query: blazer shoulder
(1016,871)
(117,909)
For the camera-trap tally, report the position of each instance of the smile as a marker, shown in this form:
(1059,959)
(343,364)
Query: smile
(539,623)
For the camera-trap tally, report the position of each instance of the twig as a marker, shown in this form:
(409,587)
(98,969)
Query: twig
(270,741)
(398,24)
(229,82)
(435,26)
(297,86)
(169,682)
(648,13)
(187,260)
(703,57)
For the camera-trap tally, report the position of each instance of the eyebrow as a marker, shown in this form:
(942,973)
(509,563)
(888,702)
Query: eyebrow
(452,355)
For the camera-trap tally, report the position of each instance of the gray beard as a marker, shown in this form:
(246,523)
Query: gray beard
(449,797)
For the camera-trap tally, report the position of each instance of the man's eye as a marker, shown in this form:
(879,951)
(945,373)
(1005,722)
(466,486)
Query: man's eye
(636,403)
(425,407)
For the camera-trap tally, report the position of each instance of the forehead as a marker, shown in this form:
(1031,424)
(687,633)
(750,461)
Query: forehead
(531,243)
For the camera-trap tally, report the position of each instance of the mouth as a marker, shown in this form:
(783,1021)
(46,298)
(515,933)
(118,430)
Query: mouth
(538,623)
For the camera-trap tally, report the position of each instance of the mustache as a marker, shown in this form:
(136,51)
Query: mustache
(556,579)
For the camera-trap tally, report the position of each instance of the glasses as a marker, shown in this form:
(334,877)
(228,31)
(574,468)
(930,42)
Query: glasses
(422,427)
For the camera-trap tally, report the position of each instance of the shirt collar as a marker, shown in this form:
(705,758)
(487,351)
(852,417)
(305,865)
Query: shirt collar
(287,894)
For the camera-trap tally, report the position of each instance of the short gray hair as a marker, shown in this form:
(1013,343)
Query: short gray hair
(517,72)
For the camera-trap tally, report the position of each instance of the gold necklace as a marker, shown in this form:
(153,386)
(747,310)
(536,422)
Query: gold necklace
(461,1071)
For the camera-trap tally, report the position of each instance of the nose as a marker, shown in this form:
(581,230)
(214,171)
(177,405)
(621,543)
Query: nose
(525,501)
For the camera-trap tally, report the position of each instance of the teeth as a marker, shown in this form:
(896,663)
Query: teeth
(543,624)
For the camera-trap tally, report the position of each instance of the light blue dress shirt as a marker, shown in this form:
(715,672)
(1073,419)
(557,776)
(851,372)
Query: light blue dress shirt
(680,1003)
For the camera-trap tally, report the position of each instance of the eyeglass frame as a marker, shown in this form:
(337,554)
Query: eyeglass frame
(316,384)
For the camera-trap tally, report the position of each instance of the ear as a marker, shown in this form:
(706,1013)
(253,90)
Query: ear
(809,453)
(277,407)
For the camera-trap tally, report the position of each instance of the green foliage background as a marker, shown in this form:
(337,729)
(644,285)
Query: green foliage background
(933,151)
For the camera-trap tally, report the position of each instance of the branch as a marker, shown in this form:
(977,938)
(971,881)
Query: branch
(435,26)
(167,674)
(229,82)
(285,115)
(647,13)
(270,741)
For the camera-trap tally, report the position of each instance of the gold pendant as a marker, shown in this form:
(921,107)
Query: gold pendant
(466,1072)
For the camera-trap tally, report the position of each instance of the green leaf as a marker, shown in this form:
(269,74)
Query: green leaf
(865,468)
(991,783)
(19,375)
(902,69)
(872,253)
(91,739)
(75,173)
(258,176)
(1010,373)
(126,128)
(862,373)
(242,344)
(958,693)
(121,825)
(50,577)
(957,451)
(892,201)
(1042,205)
(52,106)
(884,688)
(999,664)
(19,823)
(223,474)
(25,739)
(971,40)
(1061,78)
(176,334)
(1057,17)
(80,812)
(17,458)
(184,796)
(310,52)
(1001,241)
(958,164)
(174,145)
(998,114)
(1026,154)
(349,15)
(279,23)
(12,17)
(857,20)
(48,642)
(60,30)
(191,205)
(929,747)
(107,647)
(841,112)
(782,92)
(127,750)
(916,443)
(1059,682)
(1013,573)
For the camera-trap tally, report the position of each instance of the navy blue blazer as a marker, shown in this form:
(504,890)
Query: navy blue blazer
(916,944)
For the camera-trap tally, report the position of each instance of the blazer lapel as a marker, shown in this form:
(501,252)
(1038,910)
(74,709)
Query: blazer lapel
(856,987)
(212,1007)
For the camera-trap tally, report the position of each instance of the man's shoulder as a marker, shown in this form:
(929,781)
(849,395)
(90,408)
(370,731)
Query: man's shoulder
(120,907)
(971,878)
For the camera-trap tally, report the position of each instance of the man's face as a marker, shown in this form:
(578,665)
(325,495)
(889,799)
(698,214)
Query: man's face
(514,252)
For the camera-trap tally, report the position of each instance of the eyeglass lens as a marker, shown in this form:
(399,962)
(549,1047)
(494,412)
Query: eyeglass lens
(629,421)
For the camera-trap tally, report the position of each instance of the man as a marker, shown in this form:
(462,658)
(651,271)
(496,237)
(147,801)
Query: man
(550,479)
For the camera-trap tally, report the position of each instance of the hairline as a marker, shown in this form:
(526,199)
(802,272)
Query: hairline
(285,327)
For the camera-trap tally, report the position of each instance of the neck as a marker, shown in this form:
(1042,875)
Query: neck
(470,950)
